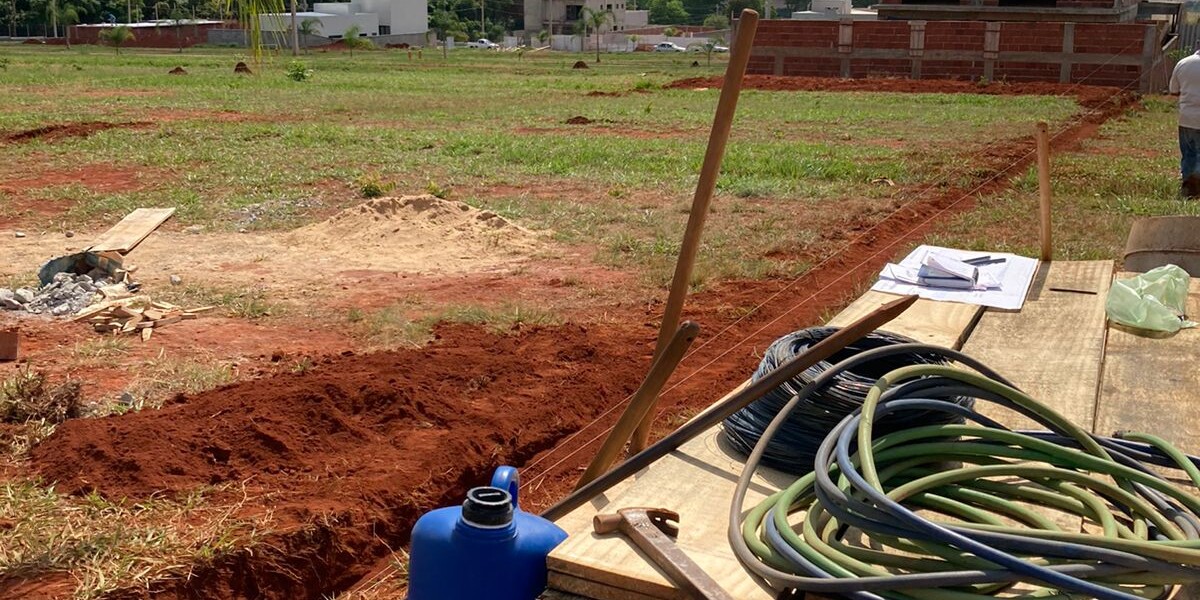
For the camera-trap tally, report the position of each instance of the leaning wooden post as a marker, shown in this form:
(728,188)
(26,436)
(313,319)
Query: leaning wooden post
(739,57)
(1043,166)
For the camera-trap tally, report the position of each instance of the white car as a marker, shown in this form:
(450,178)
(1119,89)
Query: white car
(668,47)
(484,43)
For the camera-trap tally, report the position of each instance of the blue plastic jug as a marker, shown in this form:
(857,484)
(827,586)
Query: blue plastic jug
(486,548)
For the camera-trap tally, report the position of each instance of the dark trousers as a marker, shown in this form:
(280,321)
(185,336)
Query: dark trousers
(1189,153)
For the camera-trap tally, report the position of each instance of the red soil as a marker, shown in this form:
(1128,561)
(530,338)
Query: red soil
(98,177)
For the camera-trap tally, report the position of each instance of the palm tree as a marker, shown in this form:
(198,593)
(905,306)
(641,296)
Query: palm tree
(69,16)
(117,36)
(543,36)
(581,31)
(250,13)
(594,19)
(309,27)
(352,40)
(295,32)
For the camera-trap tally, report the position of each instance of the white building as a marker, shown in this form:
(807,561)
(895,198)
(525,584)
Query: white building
(373,17)
(560,16)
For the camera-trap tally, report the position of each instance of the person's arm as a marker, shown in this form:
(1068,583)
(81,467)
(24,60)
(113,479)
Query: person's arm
(1174,86)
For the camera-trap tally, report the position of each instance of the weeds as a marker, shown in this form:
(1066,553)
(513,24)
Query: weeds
(164,376)
(246,303)
(298,71)
(397,325)
(33,408)
(101,348)
(371,186)
(110,545)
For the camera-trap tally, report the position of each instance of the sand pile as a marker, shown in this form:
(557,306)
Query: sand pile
(419,233)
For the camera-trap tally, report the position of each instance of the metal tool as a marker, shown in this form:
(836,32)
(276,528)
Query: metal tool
(653,531)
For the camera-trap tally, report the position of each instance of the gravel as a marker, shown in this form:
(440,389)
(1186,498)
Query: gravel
(67,294)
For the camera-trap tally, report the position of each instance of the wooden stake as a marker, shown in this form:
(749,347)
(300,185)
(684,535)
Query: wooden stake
(1043,164)
(739,57)
(642,401)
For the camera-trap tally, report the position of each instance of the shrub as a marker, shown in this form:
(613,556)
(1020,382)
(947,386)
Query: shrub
(298,71)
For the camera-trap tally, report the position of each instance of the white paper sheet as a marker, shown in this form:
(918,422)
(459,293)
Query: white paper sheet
(1014,275)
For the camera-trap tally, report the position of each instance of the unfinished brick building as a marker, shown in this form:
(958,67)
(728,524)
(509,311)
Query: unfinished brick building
(1097,42)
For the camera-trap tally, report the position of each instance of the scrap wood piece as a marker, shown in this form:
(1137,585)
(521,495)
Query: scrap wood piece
(146,333)
(135,227)
(96,309)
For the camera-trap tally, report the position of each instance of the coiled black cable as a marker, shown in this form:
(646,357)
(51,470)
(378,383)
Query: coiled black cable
(794,447)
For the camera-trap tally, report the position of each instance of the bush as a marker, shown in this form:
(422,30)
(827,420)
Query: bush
(298,71)
(4,63)
(370,186)
(29,397)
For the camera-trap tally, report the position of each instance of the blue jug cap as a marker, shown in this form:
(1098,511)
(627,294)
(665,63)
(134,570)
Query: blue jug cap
(488,508)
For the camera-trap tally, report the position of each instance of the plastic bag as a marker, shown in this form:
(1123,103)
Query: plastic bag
(1155,300)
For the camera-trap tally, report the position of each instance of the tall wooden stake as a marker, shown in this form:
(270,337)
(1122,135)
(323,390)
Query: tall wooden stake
(1043,166)
(726,107)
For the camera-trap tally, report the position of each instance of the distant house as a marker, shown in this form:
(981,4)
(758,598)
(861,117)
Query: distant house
(373,18)
(560,16)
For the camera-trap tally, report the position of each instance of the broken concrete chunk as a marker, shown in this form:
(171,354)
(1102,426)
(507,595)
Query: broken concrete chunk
(7,294)
(10,304)
(19,234)
(61,309)
(24,295)
(176,280)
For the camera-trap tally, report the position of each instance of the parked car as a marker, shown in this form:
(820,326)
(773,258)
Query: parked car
(484,43)
(698,47)
(720,48)
(668,47)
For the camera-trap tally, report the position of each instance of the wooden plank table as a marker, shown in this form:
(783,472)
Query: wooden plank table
(1058,348)
(611,568)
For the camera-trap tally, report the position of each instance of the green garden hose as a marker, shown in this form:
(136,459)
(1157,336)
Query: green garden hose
(962,512)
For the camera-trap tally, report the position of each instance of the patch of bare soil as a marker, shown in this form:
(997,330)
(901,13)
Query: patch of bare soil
(52,133)
(97,177)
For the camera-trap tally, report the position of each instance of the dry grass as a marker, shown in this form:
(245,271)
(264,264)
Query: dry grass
(32,407)
(389,584)
(404,325)
(106,546)
(164,376)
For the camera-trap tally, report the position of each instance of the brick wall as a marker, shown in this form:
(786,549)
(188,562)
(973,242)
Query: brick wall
(1095,53)
(151,37)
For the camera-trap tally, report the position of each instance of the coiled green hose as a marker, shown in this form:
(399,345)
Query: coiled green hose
(886,517)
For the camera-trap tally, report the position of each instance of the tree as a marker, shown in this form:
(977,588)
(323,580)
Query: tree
(667,12)
(736,6)
(69,16)
(581,29)
(117,36)
(710,46)
(595,19)
(309,27)
(716,21)
(177,15)
(295,32)
(543,36)
(352,39)
(250,13)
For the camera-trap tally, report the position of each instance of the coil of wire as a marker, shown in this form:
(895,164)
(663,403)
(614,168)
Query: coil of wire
(881,516)
(794,446)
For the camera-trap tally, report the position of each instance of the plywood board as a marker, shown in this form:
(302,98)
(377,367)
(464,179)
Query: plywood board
(697,481)
(1151,380)
(1149,384)
(1054,347)
(130,232)
(927,321)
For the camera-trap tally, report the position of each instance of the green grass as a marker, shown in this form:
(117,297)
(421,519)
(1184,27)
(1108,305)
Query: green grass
(1128,171)
(489,129)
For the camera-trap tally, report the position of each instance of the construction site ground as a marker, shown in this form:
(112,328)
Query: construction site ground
(371,359)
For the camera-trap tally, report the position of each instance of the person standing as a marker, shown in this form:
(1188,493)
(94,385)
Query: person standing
(1185,82)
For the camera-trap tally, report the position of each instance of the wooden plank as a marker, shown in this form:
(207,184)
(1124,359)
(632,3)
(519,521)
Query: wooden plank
(1054,347)
(697,481)
(927,321)
(1149,384)
(135,227)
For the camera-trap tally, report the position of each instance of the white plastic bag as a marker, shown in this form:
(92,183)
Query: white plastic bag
(1155,300)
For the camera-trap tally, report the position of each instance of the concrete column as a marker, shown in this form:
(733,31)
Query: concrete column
(1150,50)
(991,49)
(1068,48)
(845,44)
(916,46)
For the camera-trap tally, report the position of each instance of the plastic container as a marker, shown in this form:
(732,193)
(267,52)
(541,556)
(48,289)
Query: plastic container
(486,548)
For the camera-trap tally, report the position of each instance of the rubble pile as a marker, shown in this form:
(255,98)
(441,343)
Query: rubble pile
(66,294)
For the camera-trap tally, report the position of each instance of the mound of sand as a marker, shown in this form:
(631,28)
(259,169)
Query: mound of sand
(420,233)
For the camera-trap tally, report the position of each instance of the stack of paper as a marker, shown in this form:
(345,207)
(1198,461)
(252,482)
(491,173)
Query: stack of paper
(999,280)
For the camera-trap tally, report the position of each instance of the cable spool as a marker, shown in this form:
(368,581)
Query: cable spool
(794,447)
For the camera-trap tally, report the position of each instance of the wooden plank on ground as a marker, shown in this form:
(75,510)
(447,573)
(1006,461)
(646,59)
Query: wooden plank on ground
(697,481)
(135,227)
(1054,347)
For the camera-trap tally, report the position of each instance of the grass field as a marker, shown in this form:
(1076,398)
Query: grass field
(489,130)
(264,154)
